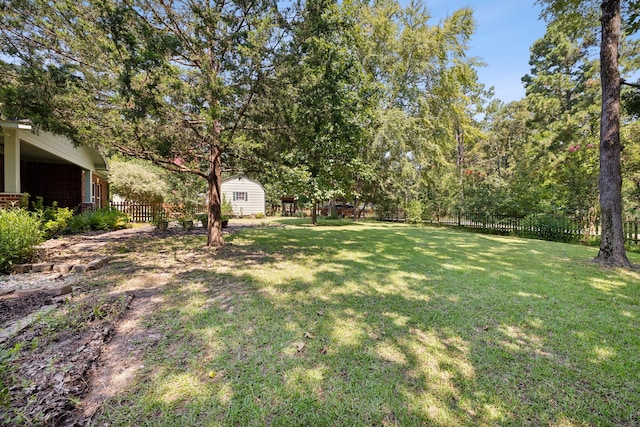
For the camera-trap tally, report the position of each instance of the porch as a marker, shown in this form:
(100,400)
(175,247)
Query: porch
(49,166)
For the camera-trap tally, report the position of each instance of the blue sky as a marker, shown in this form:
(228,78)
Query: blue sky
(505,30)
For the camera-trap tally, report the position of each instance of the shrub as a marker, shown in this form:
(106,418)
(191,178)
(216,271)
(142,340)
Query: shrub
(226,210)
(550,227)
(414,211)
(385,209)
(100,219)
(54,219)
(204,219)
(20,233)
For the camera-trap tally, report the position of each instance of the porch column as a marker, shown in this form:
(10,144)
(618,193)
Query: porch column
(87,187)
(11,162)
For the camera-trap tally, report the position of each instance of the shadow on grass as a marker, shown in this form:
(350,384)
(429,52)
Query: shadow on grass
(390,325)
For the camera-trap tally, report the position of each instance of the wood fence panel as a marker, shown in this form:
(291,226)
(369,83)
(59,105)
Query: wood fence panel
(138,212)
(571,228)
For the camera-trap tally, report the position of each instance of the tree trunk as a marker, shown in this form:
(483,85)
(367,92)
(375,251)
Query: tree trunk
(356,210)
(214,226)
(612,250)
(314,212)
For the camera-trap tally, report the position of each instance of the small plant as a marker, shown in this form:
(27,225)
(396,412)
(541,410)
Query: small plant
(6,356)
(161,220)
(54,219)
(186,223)
(20,233)
(100,219)
(226,210)
(204,219)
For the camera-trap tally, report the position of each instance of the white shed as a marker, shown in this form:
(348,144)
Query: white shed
(247,196)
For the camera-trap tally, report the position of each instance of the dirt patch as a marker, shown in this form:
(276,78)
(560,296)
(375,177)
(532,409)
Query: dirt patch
(17,305)
(47,367)
(91,343)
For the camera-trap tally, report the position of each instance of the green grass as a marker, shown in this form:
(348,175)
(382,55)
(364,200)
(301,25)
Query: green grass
(401,325)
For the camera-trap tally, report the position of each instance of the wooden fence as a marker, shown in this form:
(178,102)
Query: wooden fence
(547,226)
(138,212)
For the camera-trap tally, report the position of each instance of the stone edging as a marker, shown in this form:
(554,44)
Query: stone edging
(45,267)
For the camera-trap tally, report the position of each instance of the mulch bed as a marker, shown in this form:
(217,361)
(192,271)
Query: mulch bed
(17,305)
(45,367)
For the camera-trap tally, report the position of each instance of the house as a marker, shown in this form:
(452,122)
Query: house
(246,196)
(49,166)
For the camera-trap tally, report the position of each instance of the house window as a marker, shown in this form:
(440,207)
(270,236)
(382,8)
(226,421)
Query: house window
(96,190)
(240,196)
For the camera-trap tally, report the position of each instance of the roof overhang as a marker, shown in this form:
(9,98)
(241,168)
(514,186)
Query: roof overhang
(47,147)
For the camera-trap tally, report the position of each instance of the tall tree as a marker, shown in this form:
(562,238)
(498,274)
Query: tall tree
(326,102)
(563,96)
(171,81)
(427,83)
(573,13)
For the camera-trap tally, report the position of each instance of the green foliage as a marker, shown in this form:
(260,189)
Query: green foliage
(385,209)
(204,219)
(6,356)
(226,210)
(54,219)
(100,219)
(414,211)
(137,181)
(20,233)
(552,227)
(161,220)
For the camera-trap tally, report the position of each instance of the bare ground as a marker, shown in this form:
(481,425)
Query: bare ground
(60,369)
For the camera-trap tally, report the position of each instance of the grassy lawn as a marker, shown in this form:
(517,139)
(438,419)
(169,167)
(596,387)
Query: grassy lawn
(384,324)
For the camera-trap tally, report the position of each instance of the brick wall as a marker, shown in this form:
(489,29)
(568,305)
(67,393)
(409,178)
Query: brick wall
(8,200)
(54,182)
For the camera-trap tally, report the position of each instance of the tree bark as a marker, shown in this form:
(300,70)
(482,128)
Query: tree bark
(314,213)
(356,210)
(214,189)
(612,250)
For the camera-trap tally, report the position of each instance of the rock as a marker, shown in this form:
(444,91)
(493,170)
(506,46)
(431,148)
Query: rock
(19,325)
(56,292)
(21,268)
(41,267)
(62,268)
(80,268)
(97,263)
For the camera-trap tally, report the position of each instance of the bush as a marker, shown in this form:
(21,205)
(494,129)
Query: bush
(226,210)
(20,233)
(550,227)
(100,219)
(414,211)
(385,209)
(204,219)
(54,219)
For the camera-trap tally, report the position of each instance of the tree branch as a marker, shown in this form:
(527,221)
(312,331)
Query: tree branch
(633,85)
